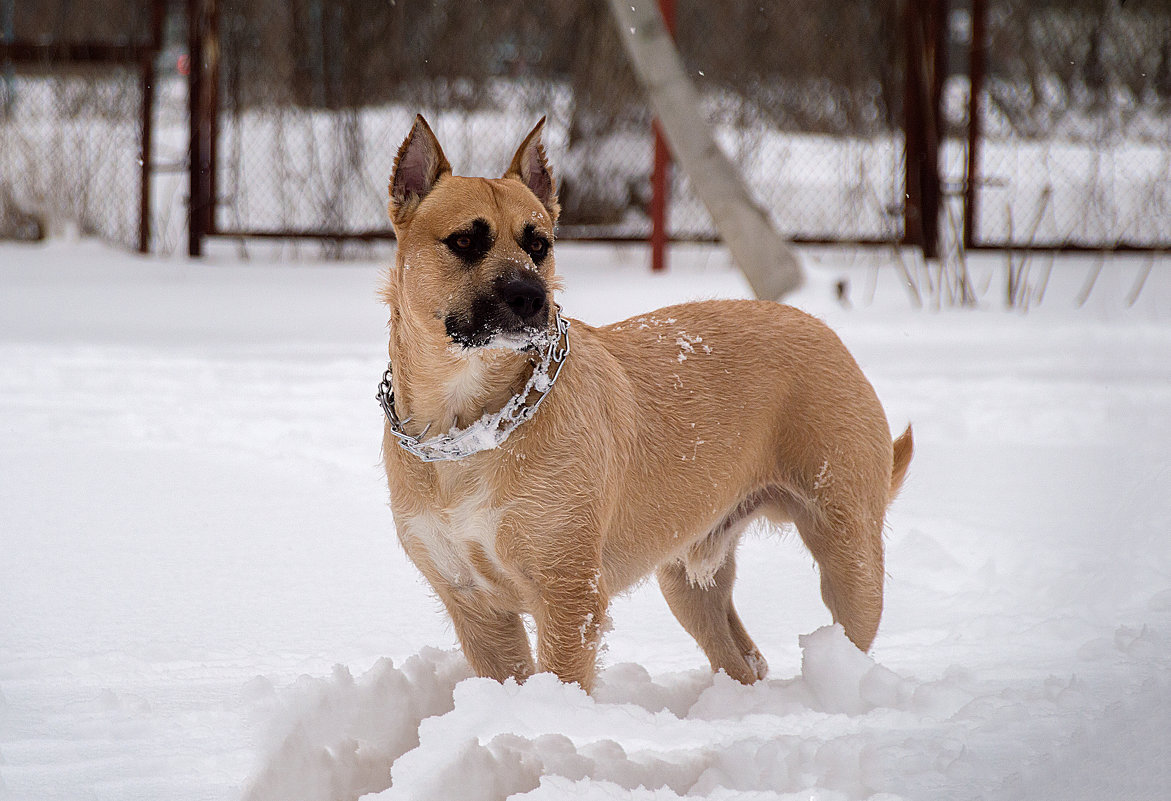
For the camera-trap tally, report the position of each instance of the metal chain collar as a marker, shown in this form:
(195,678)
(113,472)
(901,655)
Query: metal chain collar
(492,429)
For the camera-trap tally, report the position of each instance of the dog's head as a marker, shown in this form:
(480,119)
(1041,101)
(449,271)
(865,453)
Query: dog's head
(475,255)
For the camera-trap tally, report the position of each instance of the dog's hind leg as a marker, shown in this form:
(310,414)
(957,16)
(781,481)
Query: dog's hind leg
(848,549)
(839,508)
(705,610)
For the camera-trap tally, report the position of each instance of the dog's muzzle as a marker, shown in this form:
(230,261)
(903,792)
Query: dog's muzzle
(513,312)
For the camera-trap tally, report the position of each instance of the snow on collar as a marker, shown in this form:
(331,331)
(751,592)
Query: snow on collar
(493,428)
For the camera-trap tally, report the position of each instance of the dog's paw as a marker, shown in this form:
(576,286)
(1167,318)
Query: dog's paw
(757,664)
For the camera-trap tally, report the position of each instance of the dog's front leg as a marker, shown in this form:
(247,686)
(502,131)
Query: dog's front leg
(569,616)
(494,641)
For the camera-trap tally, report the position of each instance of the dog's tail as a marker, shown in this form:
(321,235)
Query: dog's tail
(904,449)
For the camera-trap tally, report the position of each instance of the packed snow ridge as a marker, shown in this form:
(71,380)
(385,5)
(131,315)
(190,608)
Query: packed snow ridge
(844,728)
(427,731)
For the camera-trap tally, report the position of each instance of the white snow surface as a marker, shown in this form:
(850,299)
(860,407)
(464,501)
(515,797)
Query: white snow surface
(202,596)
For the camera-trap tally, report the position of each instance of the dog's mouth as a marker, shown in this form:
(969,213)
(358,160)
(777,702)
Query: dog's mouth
(527,341)
(522,340)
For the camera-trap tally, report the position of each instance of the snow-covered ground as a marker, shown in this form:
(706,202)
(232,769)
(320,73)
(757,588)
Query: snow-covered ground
(202,597)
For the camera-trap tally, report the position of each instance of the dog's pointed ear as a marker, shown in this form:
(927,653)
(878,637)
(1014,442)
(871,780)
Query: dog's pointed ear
(417,168)
(531,168)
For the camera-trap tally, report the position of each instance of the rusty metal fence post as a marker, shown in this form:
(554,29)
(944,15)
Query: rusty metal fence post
(203,49)
(661,175)
(926,68)
(976,88)
(157,10)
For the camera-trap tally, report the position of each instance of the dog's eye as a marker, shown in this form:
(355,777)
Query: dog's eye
(471,243)
(534,243)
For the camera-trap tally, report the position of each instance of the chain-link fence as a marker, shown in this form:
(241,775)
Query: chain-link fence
(74,94)
(310,99)
(314,99)
(1075,122)
(71,152)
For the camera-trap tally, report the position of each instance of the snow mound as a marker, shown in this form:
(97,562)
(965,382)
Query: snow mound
(427,731)
(340,735)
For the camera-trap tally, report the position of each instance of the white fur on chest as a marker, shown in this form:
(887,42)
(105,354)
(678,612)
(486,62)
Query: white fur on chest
(448,537)
(466,384)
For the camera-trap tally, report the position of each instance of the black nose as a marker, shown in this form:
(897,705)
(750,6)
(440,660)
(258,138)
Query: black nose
(525,298)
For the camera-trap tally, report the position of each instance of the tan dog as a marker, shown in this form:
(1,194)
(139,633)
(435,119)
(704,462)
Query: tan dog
(660,438)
